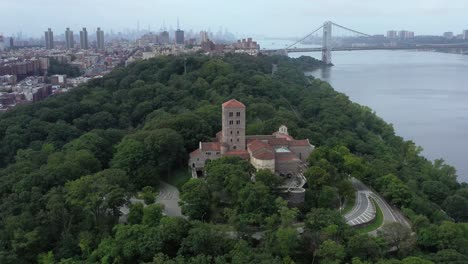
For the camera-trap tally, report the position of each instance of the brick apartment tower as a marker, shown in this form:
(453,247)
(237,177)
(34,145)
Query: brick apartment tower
(233,132)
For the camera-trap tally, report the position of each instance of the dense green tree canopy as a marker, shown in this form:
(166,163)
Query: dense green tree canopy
(196,199)
(69,163)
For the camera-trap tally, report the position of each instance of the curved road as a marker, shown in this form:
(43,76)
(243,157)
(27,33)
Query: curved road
(362,209)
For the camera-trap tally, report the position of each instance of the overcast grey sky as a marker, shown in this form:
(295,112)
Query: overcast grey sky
(267,17)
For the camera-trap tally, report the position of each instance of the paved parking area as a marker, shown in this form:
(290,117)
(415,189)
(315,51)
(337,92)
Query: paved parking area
(169,197)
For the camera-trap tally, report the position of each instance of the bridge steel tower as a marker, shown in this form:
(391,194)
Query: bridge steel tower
(327,42)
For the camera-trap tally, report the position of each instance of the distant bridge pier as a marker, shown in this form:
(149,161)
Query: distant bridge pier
(327,42)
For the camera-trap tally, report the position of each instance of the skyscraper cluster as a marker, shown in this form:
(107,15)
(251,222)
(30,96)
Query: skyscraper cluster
(246,44)
(392,34)
(49,39)
(70,42)
(204,36)
(84,39)
(451,35)
(164,37)
(402,34)
(448,35)
(69,39)
(179,35)
(100,39)
(2,44)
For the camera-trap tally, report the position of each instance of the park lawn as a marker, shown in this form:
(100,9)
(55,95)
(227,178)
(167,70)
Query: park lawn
(377,222)
(179,177)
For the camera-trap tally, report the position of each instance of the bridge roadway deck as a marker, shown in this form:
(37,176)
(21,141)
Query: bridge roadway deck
(418,47)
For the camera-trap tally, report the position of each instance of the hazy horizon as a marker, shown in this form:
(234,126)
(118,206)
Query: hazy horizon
(294,18)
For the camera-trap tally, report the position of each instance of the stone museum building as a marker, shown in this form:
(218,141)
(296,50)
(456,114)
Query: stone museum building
(279,152)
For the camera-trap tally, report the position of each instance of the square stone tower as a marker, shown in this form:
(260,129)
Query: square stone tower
(233,133)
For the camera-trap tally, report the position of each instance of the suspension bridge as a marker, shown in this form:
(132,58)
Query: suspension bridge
(331,43)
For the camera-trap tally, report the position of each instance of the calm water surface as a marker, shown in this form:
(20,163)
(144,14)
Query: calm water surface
(423,94)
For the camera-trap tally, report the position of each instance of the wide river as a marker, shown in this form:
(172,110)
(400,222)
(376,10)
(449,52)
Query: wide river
(423,94)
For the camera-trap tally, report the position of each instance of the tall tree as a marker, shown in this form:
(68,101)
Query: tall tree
(397,236)
(95,196)
(196,199)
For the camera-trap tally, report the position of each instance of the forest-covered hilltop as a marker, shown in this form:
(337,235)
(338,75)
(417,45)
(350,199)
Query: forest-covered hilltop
(68,163)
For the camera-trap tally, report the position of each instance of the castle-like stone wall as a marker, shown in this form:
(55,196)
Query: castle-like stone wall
(263,164)
(302,152)
(233,122)
(296,196)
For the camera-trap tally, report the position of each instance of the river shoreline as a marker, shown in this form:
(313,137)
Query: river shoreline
(422,94)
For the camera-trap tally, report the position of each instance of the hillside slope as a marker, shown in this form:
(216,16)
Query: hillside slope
(69,162)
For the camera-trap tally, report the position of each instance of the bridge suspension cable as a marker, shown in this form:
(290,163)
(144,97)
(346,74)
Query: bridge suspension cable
(315,31)
(331,43)
(304,38)
(354,31)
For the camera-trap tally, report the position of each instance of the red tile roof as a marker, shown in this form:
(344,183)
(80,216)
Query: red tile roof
(210,146)
(233,103)
(287,157)
(278,142)
(299,143)
(257,145)
(264,155)
(251,138)
(261,150)
(195,153)
(279,135)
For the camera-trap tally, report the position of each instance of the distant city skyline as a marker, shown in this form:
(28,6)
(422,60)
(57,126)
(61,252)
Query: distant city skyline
(293,18)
